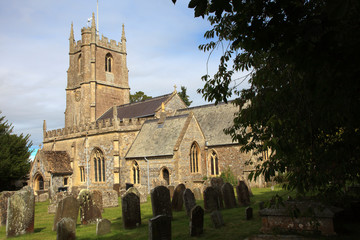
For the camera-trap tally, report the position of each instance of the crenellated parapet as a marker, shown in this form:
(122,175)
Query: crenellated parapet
(94,128)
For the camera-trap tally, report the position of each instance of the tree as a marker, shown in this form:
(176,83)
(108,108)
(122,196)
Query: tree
(14,155)
(138,97)
(184,96)
(304,96)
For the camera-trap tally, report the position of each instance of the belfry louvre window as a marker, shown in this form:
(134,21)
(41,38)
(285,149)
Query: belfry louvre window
(82,174)
(194,158)
(214,163)
(136,173)
(99,166)
(108,62)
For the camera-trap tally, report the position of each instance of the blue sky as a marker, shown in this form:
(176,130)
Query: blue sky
(162,46)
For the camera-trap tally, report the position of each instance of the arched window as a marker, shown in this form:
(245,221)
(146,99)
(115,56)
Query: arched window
(136,173)
(79,64)
(99,166)
(166,175)
(108,62)
(214,164)
(194,158)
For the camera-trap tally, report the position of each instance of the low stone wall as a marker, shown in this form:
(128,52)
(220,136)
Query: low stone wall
(110,199)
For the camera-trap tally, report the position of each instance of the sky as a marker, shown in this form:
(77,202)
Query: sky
(162,47)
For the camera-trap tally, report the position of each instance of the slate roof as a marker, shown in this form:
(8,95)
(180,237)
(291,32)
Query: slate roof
(213,119)
(145,108)
(158,139)
(58,161)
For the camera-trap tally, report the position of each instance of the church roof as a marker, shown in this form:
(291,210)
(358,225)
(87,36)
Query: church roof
(156,139)
(146,108)
(213,119)
(58,162)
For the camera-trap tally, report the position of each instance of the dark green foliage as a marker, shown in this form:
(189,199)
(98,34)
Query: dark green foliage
(14,156)
(304,96)
(184,96)
(138,97)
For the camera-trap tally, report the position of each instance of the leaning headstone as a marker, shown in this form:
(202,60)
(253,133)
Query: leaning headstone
(177,199)
(96,196)
(217,183)
(189,201)
(4,196)
(66,229)
(196,221)
(171,189)
(249,213)
(217,219)
(160,228)
(160,201)
(67,208)
(89,213)
(243,194)
(229,196)
(103,226)
(197,193)
(20,212)
(131,215)
(211,199)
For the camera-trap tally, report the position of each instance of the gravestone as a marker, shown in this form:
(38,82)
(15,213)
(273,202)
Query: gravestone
(66,208)
(211,199)
(171,189)
(4,196)
(131,215)
(43,197)
(103,226)
(229,196)
(189,201)
(177,199)
(66,229)
(249,213)
(96,196)
(197,193)
(110,199)
(20,212)
(89,213)
(160,201)
(116,187)
(196,221)
(217,183)
(243,194)
(142,197)
(160,228)
(55,199)
(217,219)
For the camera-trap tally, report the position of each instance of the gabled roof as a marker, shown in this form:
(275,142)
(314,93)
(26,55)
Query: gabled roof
(213,119)
(156,139)
(146,108)
(58,162)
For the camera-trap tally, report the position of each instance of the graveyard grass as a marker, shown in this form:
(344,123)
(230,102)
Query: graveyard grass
(236,226)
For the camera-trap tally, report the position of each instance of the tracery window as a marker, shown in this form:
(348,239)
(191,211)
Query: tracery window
(99,166)
(136,173)
(214,163)
(108,62)
(194,158)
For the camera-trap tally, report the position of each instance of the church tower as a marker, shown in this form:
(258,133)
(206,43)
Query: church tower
(97,76)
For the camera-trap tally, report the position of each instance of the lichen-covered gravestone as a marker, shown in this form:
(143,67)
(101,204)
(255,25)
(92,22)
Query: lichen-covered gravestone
(197,193)
(211,199)
(103,226)
(142,197)
(243,194)
(217,183)
(4,196)
(177,199)
(96,196)
(89,213)
(189,201)
(20,212)
(196,221)
(229,196)
(217,219)
(131,215)
(160,201)
(160,228)
(66,208)
(66,229)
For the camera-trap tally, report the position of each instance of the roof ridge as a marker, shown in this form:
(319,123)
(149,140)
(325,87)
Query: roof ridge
(147,100)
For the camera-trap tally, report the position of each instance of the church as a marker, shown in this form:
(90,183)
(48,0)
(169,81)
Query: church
(108,142)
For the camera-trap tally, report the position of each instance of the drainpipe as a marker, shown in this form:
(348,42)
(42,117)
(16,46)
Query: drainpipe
(148,174)
(87,162)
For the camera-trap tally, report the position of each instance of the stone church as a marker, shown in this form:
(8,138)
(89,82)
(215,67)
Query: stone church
(108,142)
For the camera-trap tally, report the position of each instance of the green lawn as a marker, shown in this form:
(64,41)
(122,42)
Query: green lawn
(236,227)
